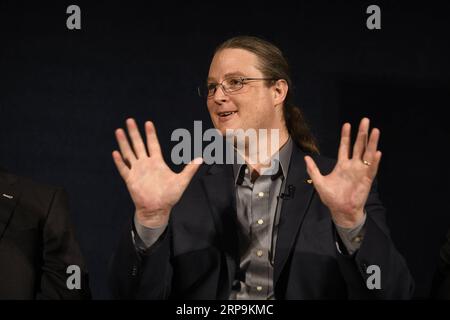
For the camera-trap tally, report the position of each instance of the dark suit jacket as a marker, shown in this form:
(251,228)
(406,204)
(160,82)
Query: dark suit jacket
(37,242)
(197,256)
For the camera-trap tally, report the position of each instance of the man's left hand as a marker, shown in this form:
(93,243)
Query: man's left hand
(345,190)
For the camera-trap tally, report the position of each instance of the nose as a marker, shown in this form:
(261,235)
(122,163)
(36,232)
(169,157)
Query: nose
(220,96)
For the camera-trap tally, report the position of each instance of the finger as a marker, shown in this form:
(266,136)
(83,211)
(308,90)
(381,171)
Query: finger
(372,145)
(124,146)
(313,170)
(373,168)
(152,139)
(188,171)
(361,139)
(136,139)
(344,147)
(120,164)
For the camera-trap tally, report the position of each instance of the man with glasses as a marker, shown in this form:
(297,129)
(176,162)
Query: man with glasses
(312,229)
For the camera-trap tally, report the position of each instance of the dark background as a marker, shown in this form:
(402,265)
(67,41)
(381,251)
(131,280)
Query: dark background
(62,94)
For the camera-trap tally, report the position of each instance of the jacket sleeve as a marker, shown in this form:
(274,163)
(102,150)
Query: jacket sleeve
(141,274)
(60,250)
(377,253)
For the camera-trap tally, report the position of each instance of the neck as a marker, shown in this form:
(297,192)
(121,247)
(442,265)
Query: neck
(258,156)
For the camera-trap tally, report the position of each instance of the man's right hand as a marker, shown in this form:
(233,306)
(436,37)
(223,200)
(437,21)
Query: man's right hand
(153,186)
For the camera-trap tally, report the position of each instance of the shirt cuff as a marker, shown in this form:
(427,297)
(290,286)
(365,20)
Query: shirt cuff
(144,237)
(352,237)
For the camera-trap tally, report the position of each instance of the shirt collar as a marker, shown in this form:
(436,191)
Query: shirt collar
(284,159)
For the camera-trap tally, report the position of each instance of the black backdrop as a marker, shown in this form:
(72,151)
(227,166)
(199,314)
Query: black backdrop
(62,94)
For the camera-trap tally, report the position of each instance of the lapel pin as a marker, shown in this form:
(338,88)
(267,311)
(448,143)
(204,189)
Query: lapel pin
(7,196)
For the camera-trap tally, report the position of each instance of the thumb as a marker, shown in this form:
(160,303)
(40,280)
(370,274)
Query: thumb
(313,170)
(189,170)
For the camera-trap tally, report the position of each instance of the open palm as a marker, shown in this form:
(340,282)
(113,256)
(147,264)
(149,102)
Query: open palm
(153,186)
(345,190)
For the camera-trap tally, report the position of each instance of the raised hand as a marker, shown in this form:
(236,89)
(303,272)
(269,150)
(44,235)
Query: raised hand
(345,190)
(153,186)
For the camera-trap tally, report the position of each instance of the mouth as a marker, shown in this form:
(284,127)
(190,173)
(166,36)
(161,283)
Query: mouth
(226,115)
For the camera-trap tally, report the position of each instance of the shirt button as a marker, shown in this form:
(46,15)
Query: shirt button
(260,221)
(261,194)
(259,253)
(259,288)
(357,239)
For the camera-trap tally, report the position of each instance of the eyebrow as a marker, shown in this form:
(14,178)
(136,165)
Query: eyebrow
(228,75)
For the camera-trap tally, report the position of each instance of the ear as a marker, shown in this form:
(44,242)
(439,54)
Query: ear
(280,90)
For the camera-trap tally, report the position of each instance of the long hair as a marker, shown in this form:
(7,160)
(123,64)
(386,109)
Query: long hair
(273,64)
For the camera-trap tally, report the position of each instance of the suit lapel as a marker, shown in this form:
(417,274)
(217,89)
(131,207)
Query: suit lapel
(9,195)
(293,210)
(220,191)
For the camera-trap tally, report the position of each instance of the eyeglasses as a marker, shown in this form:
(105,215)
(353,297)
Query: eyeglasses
(228,86)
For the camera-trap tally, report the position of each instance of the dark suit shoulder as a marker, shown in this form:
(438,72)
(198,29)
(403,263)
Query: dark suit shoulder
(39,192)
(325,164)
(34,198)
(26,183)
